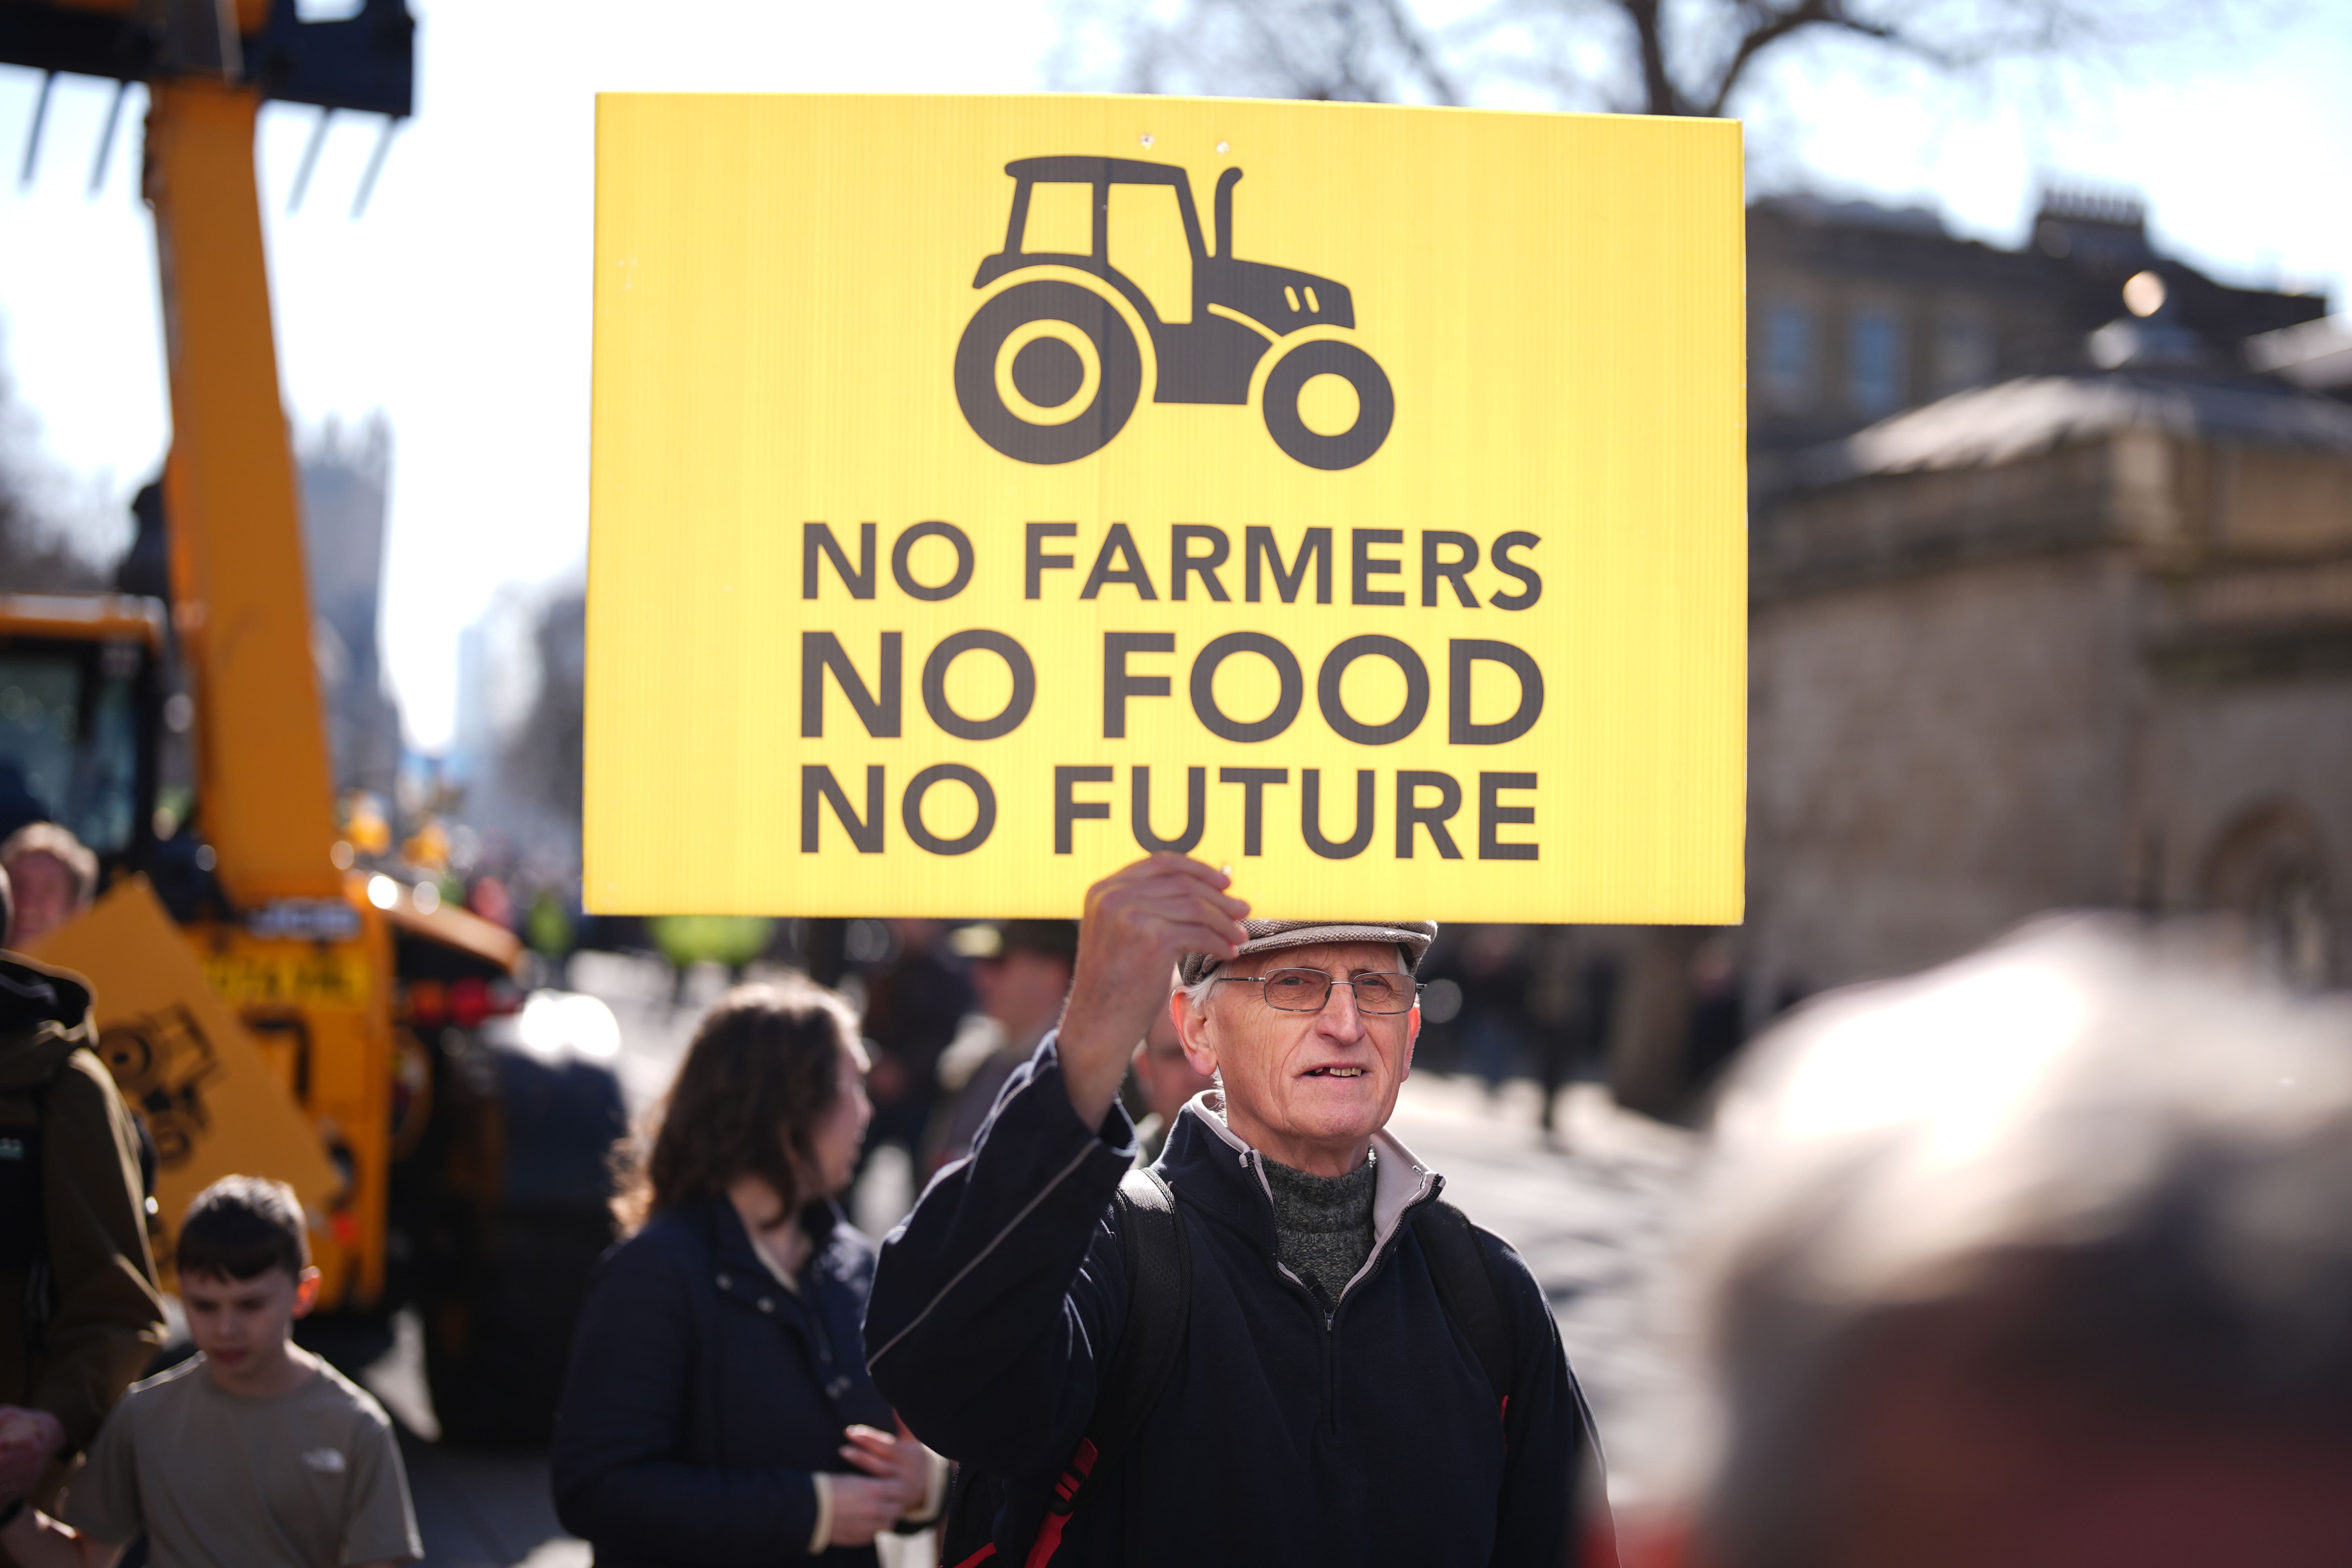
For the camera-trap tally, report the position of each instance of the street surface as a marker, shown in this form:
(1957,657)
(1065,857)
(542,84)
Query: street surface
(1596,1215)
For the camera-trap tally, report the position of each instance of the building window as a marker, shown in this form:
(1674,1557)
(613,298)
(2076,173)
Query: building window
(1787,352)
(1875,378)
(1966,355)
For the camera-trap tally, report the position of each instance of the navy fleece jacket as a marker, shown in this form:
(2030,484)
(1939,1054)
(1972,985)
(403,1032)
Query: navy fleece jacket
(1372,1440)
(703,1395)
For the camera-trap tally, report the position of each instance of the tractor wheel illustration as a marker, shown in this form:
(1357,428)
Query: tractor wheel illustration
(1048,373)
(1375,403)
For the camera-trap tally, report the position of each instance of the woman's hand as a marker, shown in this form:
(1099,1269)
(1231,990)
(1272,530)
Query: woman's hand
(861,1508)
(901,1460)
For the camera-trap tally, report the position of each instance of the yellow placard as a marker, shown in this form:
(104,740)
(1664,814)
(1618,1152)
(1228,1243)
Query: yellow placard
(182,1058)
(985,491)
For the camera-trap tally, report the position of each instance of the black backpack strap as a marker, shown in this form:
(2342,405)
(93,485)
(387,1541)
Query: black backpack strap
(1467,1285)
(1158,1260)
(1158,1308)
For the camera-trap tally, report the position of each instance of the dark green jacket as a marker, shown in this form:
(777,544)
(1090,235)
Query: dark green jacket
(72,1209)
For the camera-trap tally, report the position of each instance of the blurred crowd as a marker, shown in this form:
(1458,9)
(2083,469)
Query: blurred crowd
(2036,1257)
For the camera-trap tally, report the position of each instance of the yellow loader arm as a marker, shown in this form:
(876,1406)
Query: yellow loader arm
(239,600)
(299,954)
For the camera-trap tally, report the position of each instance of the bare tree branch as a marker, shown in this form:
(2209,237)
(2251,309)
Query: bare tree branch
(1769,30)
(1361,50)
(41,549)
(1418,49)
(1658,93)
(1657,57)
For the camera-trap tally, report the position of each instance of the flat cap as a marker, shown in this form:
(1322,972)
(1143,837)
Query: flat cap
(1267,936)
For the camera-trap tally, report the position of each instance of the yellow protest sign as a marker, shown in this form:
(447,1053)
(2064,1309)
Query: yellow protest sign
(985,491)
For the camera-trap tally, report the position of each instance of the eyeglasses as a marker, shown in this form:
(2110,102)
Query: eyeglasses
(1306,990)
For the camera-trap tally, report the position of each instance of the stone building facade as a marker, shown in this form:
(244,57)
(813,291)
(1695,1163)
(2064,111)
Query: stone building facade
(2050,608)
(2062,642)
(1857,312)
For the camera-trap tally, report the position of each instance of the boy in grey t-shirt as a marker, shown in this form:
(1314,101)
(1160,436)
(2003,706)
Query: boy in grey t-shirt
(254,1454)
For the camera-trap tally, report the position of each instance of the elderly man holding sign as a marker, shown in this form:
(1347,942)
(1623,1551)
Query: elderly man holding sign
(1278,1345)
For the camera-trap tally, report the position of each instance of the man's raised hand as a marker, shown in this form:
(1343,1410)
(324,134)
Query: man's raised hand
(1139,921)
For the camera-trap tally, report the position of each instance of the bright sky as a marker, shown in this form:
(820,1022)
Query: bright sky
(459,303)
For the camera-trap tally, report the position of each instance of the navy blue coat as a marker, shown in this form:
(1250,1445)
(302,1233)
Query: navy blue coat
(1373,1439)
(702,1395)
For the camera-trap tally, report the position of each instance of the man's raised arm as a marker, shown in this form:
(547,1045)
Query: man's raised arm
(992,1298)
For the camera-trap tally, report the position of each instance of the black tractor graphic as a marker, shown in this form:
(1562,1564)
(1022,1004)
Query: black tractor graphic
(1021,372)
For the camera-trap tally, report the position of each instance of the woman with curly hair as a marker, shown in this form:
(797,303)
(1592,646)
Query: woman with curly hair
(717,1409)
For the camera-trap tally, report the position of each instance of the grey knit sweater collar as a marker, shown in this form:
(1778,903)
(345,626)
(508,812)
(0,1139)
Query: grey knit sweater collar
(1323,1225)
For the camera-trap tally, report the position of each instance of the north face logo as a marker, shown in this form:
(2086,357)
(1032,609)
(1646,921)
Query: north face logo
(1049,370)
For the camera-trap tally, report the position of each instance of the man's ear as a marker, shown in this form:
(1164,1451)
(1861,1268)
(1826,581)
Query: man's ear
(1192,1029)
(306,1293)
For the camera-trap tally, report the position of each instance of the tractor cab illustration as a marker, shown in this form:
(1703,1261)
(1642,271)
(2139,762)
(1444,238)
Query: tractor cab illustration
(1048,371)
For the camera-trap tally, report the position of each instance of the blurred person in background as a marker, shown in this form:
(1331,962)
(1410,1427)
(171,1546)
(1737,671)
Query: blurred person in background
(487,898)
(1167,1080)
(548,929)
(79,1313)
(1020,987)
(914,1001)
(1492,968)
(2040,1258)
(1714,1029)
(1352,1373)
(1579,1001)
(53,876)
(717,1409)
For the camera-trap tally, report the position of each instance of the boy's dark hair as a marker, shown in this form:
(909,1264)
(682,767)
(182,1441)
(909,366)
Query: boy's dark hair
(242,1227)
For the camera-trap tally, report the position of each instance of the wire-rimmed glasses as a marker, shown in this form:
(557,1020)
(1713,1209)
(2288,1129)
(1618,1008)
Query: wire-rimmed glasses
(1378,992)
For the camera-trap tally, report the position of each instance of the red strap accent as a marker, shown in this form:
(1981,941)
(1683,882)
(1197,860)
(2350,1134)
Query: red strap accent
(1048,1541)
(1057,1512)
(982,1555)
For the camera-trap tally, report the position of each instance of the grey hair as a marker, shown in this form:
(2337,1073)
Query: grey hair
(2157,1151)
(1196,995)
(58,844)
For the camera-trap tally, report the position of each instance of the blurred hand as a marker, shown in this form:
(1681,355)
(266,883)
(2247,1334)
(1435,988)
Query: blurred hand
(1139,921)
(901,1459)
(28,1440)
(861,1508)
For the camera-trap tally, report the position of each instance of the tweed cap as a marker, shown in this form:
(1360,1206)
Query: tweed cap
(1267,936)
